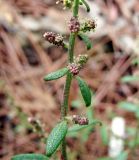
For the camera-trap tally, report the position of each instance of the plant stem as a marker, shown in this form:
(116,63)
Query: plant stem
(64,107)
(135,138)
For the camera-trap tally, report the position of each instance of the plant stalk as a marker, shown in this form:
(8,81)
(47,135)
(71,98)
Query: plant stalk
(64,107)
(135,138)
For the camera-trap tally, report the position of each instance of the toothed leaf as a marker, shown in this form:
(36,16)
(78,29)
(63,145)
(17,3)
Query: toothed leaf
(55,75)
(85,91)
(55,138)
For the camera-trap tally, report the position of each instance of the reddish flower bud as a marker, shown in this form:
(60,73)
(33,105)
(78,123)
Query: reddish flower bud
(77,64)
(74,68)
(80,120)
(74,25)
(54,38)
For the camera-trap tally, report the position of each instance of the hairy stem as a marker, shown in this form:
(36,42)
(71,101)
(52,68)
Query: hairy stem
(64,107)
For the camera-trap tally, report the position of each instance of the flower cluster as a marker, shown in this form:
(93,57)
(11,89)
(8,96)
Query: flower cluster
(88,25)
(77,119)
(81,59)
(66,3)
(54,38)
(77,64)
(74,25)
(74,68)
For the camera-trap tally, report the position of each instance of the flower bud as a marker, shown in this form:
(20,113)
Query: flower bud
(66,3)
(54,38)
(74,68)
(77,64)
(88,25)
(74,25)
(77,119)
(81,59)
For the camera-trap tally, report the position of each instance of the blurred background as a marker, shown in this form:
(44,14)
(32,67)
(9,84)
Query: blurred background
(111,72)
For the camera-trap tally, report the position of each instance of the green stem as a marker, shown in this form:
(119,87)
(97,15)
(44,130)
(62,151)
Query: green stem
(135,138)
(75,8)
(71,47)
(64,107)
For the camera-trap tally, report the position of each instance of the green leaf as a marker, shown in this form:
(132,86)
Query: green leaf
(29,157)
(126,79)
(55,75)
(77,127)
(55,138)
(85,91)
(104,134)
(76,103)
(133,143)
(105,158)
(131,131)
(86,5)
(129,106)
(86,40)
(122,156)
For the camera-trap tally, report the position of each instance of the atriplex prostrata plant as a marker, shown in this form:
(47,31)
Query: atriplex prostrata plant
(74,65)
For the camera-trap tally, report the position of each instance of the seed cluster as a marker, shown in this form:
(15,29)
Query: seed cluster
(74,25)
(77,119)
(54,38)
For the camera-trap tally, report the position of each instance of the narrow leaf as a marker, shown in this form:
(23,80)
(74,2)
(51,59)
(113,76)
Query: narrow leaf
(29,157)
(85,91)
(122,156)
(55,75)
(86,5)
(77,127)
(128,79)
(129,106)
(55,138)
(104,134)
(105,158)
(86,40)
